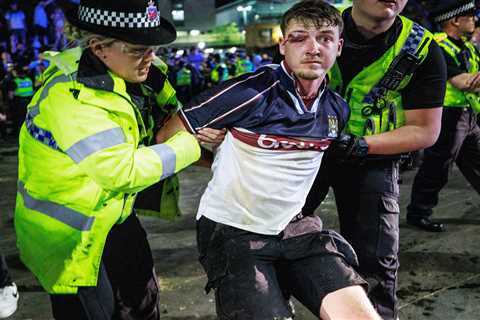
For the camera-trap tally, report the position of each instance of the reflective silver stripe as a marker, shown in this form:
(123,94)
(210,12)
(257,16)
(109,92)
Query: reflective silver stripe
(169,158)
(33,112)
(72,218)
(48,86)
(99,141)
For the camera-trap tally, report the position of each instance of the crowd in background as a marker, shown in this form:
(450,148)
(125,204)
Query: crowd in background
(29,28)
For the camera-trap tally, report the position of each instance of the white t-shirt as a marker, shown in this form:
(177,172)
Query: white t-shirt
(255,189)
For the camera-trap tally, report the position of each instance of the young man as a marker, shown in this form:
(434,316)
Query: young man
(393,77)
(255,247)
(459,139)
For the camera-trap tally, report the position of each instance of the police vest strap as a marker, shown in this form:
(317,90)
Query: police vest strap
(403,65)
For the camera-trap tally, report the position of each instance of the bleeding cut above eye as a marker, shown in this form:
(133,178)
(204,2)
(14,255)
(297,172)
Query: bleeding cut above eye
(296,37)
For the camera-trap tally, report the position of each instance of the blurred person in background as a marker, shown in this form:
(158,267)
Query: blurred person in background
(20,92)
(17,25)
(41,23)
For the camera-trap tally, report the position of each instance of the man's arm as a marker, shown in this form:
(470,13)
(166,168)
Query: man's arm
(466,82)
(421,130)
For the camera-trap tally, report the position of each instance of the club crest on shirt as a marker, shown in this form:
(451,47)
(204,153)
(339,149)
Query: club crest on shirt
(332,126)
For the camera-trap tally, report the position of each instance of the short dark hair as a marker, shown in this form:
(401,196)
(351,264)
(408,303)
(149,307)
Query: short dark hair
(318,12)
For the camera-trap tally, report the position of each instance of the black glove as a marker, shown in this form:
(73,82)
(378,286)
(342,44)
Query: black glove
(349,148)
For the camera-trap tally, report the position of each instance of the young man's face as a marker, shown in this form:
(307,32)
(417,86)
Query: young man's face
(379,9)
(310,51)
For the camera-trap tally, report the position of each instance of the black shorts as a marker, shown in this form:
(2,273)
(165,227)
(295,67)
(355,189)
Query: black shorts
(254,275)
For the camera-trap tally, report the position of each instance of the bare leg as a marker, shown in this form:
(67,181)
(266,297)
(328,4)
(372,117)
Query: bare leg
(348,303)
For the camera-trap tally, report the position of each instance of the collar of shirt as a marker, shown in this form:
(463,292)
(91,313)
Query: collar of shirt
(293,87)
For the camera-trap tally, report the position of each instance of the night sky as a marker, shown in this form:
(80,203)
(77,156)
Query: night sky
(219,3)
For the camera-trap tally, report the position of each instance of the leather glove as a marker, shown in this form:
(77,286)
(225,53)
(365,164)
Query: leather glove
(349,148)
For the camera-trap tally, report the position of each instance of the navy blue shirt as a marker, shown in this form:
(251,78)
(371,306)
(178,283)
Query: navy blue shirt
(267,102)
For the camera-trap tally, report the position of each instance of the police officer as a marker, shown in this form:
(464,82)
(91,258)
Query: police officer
(220,71)
(243,63)
(81,162)
(459,139)
(393,76)
(183,81)
(20,92)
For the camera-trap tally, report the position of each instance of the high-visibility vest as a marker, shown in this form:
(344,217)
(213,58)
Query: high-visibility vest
(23,87)
(184,77)
(455,97)
(80,167)
(216,76)
(243,66)
(359,91)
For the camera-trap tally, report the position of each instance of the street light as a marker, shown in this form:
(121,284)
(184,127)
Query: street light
(244,10)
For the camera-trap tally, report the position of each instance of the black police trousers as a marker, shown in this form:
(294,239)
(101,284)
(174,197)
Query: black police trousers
(459,142)
(367,202)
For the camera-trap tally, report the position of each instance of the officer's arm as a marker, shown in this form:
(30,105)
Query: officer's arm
(175,124)
(421,130)
(466,81)
(172,126)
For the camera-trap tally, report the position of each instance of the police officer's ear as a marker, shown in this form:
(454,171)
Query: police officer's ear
(97,48)
(454,21)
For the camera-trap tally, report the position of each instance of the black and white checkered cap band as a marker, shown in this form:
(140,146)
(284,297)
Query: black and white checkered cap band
(116,19)
(453,13)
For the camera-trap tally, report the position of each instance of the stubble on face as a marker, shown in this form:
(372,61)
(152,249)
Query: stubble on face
(307,75)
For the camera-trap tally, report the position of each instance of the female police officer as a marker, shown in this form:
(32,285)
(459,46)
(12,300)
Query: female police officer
(81,163)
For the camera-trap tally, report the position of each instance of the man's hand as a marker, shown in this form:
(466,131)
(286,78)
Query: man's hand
(211,136)
(349,148)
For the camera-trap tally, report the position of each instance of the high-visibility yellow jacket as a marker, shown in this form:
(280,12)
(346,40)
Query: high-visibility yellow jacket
(363,86)
(80,166)
(454,97)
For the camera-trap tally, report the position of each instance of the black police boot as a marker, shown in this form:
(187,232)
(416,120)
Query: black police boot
(426,224)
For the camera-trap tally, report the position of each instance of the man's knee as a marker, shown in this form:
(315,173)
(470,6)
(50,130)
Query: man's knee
(348,303)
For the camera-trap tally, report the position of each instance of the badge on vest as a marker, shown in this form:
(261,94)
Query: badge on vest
(332,126)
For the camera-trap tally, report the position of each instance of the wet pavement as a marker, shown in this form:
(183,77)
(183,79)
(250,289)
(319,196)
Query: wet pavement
(439,274)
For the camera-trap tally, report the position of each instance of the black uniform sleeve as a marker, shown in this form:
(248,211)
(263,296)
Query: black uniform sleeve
(426,89)
(452,68)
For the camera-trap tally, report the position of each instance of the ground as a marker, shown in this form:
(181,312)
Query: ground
(439,274)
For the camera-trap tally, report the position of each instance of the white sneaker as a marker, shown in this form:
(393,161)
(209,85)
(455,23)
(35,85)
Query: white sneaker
(8,300)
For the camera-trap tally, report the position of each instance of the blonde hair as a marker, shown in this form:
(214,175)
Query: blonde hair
(82,38)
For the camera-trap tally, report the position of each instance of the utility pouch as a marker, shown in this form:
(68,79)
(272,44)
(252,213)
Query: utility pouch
(474,101)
